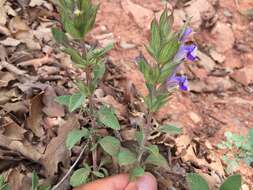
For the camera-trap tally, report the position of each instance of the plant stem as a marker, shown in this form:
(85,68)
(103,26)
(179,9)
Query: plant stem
(146,131)
(93,122)
(71,168)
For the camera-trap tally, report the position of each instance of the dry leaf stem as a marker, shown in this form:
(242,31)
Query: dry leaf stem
(71,168)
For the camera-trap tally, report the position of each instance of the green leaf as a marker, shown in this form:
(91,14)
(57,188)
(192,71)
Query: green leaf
(144,67)
(102,51)
(98,174)
(71,29)
(137,172)
(155,41)
(80,177)
(232,183)
(3,184)
(60,37)
(35,181)
(110,145)
(153,149)
(140,137)
(168,51)
(196,182)
(126,157)
(99,71)
(250,137)
(73,102)
(75,57)
(166,71)
(44,187)
(75,136)
(108,118)
(170,129)
(155,158)
(165,24)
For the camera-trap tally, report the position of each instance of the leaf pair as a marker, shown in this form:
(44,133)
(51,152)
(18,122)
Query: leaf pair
(196,182)
(78,17)
(163,44)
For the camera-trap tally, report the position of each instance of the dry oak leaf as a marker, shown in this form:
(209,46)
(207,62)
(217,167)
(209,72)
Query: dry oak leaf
(56,151)
(34,121)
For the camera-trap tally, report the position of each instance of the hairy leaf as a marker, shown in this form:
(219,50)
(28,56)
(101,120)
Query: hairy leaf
(233,182)
(79,177)
(108,118)
(71,101)
(196,182)
(110,145)
(75,136)
(170,129)
(126,157)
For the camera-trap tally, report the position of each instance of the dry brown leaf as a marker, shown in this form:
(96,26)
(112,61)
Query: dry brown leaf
(25,148)
(6,95)
(52,109)
(120,108)
(34,121)
(34,3)
(10,42)
(56,151)
(17,25)
(5,78)
(13,131)
(27,37)
(17,180)
(5,10)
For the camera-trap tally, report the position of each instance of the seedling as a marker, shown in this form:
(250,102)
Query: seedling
(241,148)
(196,182)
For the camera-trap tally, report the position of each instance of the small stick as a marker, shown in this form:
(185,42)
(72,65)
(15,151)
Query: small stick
(12,68)
(71,168)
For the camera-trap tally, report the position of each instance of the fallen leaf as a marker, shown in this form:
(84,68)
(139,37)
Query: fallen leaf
(34,3)
(13,131)
(52,108)
(17,25)
(34,121)
(25,148)
(5,78)
(56,151)
(10,42)
(6,95)
(27,37)
(18,180)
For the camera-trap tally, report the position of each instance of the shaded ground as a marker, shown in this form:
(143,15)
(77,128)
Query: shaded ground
(33,126)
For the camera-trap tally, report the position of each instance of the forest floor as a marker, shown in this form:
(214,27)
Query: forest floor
(33,72)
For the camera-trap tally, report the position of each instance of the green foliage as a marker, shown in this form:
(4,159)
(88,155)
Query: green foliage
(108,118)
(60,37)
(3,184)
(155,158)
(110,145)
(232,183)
(73,102)
(170,129)
(126,157)
(35,183)
(80,176)
(75,136)
(77,17)
(196,182)
(241,148)
(137,172)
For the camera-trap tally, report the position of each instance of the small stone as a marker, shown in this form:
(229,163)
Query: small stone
(224,37)
(205,61)
(244,75)
(142,16)
(217,56)
(218,84)
(195,9)
(195,117)
(126,45)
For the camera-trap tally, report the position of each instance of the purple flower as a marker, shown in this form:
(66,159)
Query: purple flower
(180,81)
(186,51)
(185,34)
